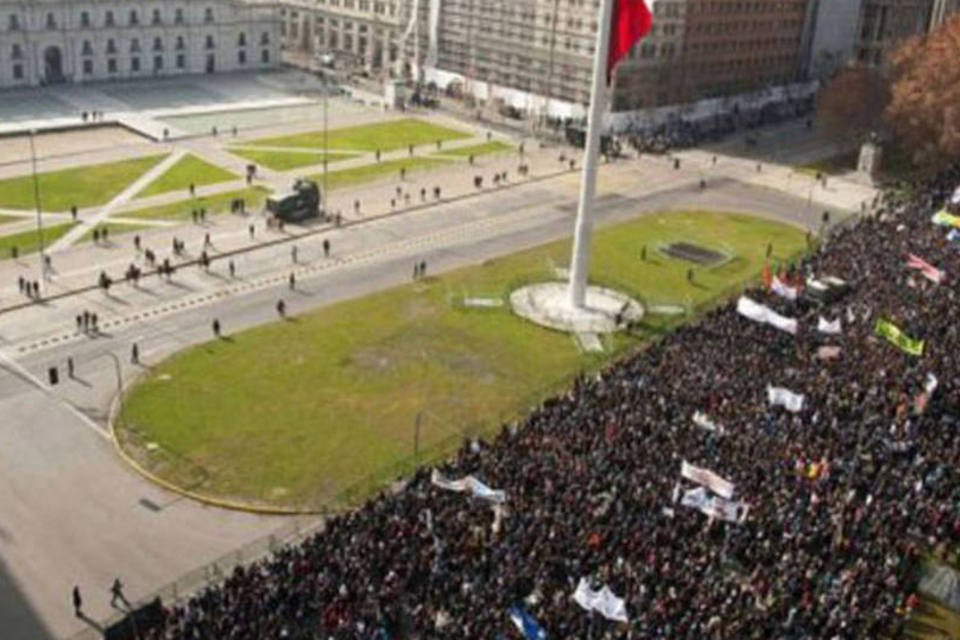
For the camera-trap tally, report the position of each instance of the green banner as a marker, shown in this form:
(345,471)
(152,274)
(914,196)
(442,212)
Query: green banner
(896,337)
(946,219)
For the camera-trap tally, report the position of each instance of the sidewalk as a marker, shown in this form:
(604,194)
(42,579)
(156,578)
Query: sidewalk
(79,266)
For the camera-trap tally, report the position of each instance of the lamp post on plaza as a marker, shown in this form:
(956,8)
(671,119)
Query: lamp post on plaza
(36,199)
(326,90)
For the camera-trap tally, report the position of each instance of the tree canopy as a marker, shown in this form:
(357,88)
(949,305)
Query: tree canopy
(924,110)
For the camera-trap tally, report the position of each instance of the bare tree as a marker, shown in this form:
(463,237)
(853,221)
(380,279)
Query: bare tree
(852,104)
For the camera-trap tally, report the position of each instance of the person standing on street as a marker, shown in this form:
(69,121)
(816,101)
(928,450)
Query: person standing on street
(77,602)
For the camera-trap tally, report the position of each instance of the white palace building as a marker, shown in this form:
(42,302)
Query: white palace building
(46,42)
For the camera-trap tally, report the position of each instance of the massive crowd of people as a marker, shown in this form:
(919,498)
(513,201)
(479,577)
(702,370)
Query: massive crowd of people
(845,496)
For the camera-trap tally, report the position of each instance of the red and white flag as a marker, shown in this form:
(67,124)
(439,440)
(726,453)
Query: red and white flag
(782,289)
(929,271)
(631,21)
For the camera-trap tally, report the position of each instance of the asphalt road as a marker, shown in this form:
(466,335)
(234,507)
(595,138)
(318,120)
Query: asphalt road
(72,513)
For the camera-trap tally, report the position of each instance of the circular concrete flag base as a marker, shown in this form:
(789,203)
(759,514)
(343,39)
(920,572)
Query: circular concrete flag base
(548,305)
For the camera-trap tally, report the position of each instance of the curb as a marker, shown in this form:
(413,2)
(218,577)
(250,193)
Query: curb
(193,495)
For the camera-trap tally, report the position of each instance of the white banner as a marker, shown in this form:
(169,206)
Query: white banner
(603,602)
(759,313)
(931,383)
(715,507)
(719,485)
(703,421)
(787,399)
(781,289)
(830,328)
(468,485)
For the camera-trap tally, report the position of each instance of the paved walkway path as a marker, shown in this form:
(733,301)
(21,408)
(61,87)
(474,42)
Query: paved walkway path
(87,224)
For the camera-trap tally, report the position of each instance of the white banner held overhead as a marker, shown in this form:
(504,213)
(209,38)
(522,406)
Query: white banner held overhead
(714,506)
(603,602)
(468,485)
(703,421)
(719,485)
(759,313)
(829,328)
(785,398)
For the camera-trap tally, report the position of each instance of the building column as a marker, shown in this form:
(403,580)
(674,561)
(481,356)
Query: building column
(385,50)
(370,37)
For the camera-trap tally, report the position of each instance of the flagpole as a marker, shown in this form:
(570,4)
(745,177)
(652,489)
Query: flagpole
(580,260)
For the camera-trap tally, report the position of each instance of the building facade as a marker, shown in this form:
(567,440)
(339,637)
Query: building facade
(701,49)
(46,42)
(885,23)
(356,33)
(942,11)
(832,37)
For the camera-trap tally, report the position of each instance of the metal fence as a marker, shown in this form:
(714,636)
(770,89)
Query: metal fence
(213,573)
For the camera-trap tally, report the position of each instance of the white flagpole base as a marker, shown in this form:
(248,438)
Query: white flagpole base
(548,304)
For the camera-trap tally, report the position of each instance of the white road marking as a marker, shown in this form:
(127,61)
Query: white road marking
(45,388)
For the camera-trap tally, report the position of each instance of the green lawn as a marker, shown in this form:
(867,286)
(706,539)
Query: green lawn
(188,170)
(385,136)
(28,241)
(288,160)
(320,410)
(82,186)
(369,172)
(478,149)
(216,204)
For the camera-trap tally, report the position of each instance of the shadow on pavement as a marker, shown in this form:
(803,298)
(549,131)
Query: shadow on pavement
(19,620)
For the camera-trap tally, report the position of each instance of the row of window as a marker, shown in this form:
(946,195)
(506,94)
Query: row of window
(16,51)
(109,20)
(180,62)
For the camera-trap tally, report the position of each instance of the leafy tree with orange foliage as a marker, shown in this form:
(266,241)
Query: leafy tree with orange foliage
(924,111)
(852,104)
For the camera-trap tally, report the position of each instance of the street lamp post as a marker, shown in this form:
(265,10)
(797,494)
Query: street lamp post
(36,200)
(326,96)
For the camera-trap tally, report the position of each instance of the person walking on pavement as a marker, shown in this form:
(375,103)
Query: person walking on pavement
(232,268)
(216,328)
(77,602)
(70,369)
(293,254)
(282,308)
(135,353)
(326,248)
(116,593)
(293,282)
(423,268)
(251,230)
